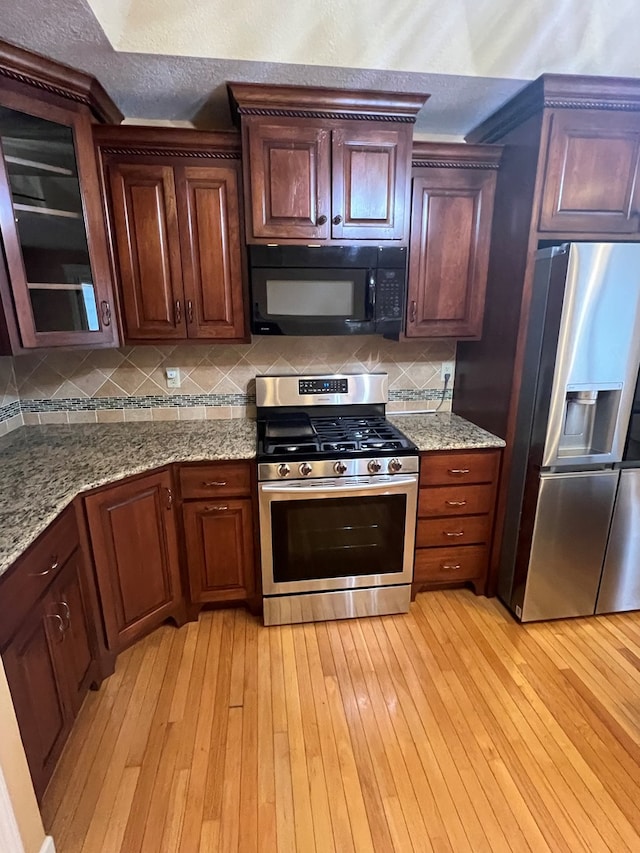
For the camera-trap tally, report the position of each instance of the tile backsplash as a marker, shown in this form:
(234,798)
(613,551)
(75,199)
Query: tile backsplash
(216,381)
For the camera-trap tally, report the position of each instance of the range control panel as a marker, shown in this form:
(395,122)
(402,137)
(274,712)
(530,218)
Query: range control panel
(323,386)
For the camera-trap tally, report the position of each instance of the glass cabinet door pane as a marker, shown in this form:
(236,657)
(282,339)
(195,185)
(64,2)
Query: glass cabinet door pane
(43,177)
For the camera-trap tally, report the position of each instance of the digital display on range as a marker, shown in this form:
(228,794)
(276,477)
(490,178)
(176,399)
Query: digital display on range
(323,386)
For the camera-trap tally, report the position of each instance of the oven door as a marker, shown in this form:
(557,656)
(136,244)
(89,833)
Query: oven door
(337,534)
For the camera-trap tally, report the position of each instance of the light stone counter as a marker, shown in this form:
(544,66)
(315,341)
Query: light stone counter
(444,431)
(42,469)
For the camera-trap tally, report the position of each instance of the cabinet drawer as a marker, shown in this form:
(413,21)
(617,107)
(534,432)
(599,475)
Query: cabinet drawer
(455,500)
(32,573)
(225,478)
(441,469)
(450,564)
(463,530)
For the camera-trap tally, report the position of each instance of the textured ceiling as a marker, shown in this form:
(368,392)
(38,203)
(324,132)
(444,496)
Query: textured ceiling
(169,59)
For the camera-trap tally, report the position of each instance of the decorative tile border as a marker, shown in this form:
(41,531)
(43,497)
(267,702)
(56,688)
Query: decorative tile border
(10,410)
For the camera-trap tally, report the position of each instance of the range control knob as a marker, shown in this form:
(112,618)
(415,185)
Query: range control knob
(305,469)
(340,468)
(283,470)
(395,465)
(374,466)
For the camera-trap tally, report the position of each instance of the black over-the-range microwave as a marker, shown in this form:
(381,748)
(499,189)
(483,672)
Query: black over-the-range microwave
(327,290)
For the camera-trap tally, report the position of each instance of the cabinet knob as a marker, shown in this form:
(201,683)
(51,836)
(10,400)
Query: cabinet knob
(337,219)
(106,313)
(413,311)
(178,311)
(321,220)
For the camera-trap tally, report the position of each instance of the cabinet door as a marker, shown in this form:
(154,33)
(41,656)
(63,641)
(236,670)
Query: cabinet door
(38,695)
(591,177)
(145,226)
(370,186)
(289,181)
(134,541)
(211,254)
(52,227)
(219,543)
(74,655)
(449,252)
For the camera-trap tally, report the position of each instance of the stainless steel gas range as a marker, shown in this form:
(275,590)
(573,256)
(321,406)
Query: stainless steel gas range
(338,487)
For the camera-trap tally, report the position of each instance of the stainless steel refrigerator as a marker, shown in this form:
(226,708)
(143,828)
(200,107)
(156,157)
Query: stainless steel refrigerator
(580,367)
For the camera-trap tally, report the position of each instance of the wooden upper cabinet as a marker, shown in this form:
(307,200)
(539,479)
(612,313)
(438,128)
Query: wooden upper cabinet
(370,178)
(451,214)
(173,201)
(591,179)
(55,278)
(325,164)
(135,548)
(289,167)
(145,227)
(208,200)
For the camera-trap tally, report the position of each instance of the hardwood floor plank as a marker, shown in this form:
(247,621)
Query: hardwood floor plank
(449,729)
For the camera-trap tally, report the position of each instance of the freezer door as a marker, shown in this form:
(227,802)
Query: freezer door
(620,587)
(570,532)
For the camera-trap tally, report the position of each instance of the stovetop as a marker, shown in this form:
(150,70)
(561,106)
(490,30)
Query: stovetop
(322,437)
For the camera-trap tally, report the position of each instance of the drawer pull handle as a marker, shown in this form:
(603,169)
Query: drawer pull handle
(215,508)
(457,533)
(451,567)
(210,484)
(456,503)
(458,471)
(54,565)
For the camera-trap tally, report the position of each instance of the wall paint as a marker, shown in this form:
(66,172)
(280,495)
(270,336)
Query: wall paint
(16,773)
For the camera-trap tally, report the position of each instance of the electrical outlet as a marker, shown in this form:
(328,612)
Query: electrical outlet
(447,367)
(173,377)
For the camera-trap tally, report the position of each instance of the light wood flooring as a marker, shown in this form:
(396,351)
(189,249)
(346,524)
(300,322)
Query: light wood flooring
(450,728)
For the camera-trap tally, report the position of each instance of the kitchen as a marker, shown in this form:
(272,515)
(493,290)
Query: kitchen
(414,354)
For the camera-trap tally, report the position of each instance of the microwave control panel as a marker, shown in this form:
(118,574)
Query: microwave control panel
(389,294)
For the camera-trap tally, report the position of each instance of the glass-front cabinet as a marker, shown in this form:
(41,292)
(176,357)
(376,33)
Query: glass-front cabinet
(53,233)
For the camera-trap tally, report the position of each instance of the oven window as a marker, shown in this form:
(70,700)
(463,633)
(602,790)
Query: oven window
(337,537)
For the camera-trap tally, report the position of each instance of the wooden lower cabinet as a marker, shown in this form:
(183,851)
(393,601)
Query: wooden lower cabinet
(219,549)
(455,518)
(135,547)
(48,667)
(219,536)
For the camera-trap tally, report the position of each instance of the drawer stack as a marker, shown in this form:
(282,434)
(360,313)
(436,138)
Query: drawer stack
(455,518)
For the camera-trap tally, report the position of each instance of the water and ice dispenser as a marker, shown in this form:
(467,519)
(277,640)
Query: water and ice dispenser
(589,423)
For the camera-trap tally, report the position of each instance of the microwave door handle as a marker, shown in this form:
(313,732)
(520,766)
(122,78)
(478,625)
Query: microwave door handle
(371,295)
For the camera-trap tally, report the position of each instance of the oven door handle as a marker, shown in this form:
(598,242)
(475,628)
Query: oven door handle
(392,483)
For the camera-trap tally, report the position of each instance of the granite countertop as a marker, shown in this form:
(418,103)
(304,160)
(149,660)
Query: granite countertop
(43,468)
(444,431)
